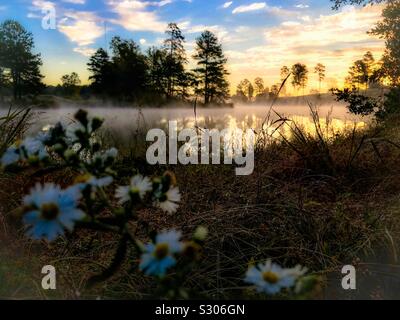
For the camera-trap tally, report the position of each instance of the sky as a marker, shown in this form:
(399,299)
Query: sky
(258,37)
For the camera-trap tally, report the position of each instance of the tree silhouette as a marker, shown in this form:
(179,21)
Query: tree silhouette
(259,86)
(369,62)
(210,71)
(274,91)
(300,76)
(70,83)
(340,3)
(158,78)
(285,71)
(17,58)
(358,74)
(101,70)
(320,70)
(389,30)
(245,89)
(130,68)
(175,59)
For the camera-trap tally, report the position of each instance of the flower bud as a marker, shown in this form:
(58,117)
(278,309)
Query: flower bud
(200,234)
(96,123)
(82,117)
(71,156)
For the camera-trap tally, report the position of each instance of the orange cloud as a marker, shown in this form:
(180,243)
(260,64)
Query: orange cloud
(335,40)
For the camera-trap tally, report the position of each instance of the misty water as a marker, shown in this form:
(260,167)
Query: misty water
(130,120)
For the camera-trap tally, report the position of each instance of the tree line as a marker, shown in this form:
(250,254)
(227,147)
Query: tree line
(297,75)
(161,73)
(124,72)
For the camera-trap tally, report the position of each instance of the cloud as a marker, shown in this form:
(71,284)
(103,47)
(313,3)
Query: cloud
(220,31)
(75,1)
(142,41)
(87,52)
(302,6)
(262,6)
(164,3)
(336,40)
(250,7)
(226,5)
(3,8)
(135,16)
(42,4)
(81,27)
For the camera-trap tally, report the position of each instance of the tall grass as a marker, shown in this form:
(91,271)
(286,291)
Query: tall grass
(13,125)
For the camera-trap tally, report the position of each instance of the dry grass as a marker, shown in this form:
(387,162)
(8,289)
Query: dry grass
(318,201)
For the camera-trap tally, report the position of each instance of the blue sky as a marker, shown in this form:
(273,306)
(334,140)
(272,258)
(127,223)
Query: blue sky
(258,36)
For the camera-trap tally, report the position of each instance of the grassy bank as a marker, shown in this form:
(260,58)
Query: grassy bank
(321,201)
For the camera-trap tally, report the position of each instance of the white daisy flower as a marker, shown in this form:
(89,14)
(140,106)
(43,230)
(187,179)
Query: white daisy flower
(169,201)
(139,185)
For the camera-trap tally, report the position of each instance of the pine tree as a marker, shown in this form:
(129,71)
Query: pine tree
(129,69)
(100,68)
(320,70)
(388,29)
(16,56)
(175,59)
(300,76)
(156,61)
(211,72)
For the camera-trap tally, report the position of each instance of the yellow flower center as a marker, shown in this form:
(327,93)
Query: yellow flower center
(50,211)
(270,277)
(83,178)
(161,251)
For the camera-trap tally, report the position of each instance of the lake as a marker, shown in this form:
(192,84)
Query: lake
(131,120)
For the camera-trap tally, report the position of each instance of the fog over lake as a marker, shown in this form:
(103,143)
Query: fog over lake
(241,116)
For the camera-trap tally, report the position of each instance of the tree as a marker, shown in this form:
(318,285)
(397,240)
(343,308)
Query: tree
(370,66)
(158,78)
(340,3)
(210,71)
(285,72)
(300,76)
(130,69)
(16,56)
(245,89)
(70,83)
(388,29)
(358,74)
(175,59)
(259,86)
(320,70)
(101,71)
(274,91)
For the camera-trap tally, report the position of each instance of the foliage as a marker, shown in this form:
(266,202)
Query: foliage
(245,89)
(12,126)
(89,204)
(357,103)
(340,3)
(320,70)
(102,74)
(175,60)
(70,83)
(391,104)
(299,75)
(259,86)
(210,72)
(388,29)
(129,74)
(18,60)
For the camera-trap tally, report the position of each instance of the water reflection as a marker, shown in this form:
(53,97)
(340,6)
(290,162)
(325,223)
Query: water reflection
(333,120)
